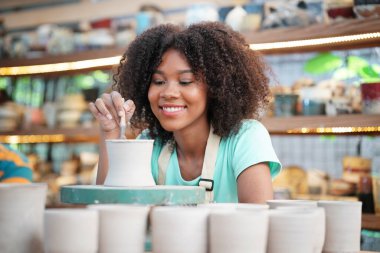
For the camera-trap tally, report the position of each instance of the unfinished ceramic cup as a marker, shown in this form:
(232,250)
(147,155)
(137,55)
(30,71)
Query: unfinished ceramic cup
(122,228)
(239,230)
(21,217)
(343,226)
(291,232)
(320,222)
(290,202)
(179,229)
(215,207)
(129,163)
(71,230)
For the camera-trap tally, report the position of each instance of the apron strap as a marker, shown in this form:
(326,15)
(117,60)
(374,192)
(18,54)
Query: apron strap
(208,167)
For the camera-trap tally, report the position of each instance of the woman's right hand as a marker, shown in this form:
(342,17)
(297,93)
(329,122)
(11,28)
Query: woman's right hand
(108,110)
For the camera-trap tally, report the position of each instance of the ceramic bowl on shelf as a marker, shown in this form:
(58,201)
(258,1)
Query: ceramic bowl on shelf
(367,10)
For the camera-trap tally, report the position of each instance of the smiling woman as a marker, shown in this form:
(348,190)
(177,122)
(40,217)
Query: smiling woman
(198,92)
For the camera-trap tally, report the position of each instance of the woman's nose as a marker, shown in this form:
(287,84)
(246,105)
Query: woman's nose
(170,90)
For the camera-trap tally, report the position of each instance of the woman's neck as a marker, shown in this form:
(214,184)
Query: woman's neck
(191,144)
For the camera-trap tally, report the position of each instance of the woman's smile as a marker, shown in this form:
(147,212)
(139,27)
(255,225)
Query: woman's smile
(171,110)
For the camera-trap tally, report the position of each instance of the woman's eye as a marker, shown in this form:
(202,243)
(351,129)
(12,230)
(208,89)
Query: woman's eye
(159,82)
(185,82)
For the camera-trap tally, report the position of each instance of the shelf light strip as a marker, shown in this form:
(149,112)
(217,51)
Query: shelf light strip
(58,67)
(32,138)
(335,130)
(314,42)
(110,61)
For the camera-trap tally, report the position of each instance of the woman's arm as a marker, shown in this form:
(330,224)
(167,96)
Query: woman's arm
(255,184)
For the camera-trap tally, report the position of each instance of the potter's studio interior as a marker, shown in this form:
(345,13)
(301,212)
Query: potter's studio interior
(210,126)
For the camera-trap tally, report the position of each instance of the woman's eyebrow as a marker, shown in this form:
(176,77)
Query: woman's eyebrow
(157,71)
(185,71)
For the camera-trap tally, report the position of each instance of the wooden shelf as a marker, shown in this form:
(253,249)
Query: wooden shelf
(353,124)
(46,135)
(371,221)
(343,28)
(275,125)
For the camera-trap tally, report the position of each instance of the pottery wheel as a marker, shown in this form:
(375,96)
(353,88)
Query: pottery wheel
(154,195)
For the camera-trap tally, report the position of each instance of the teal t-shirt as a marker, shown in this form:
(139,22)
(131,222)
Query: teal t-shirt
(250,146)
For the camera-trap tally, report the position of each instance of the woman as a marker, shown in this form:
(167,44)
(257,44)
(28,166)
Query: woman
(188,86)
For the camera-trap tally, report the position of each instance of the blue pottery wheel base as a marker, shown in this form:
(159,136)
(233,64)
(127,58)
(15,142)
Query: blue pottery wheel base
(148,195)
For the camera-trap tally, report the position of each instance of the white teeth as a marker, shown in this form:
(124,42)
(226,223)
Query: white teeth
(172,109)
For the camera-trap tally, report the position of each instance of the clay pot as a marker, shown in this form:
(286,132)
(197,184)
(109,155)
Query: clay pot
(71,230)
(239,230)
(129,163)
(275,203)
(122,228)
(21,217)
(179,229)
(343,226)
(291,232)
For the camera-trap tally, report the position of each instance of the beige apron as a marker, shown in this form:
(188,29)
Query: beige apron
(208,167)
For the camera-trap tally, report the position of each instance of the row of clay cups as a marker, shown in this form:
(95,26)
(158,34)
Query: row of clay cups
(290,226)
(123,228)
(293,226)
(225,228)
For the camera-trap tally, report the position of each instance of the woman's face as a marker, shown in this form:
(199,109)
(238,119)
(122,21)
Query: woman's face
(177,99)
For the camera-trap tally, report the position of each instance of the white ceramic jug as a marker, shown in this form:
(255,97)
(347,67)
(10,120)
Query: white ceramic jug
(129,163)
(21,217)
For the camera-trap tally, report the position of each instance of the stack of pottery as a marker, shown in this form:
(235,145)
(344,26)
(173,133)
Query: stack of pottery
(70,109)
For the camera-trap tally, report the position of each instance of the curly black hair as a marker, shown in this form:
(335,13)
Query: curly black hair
(235,75)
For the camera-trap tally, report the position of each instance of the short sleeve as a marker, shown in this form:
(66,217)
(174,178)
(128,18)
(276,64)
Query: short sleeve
(252,146)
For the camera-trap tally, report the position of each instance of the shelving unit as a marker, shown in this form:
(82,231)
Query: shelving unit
(320,31)
(279,35)
(350,124)
(339,125)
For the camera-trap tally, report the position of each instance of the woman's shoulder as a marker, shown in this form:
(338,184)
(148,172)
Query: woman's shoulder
(249,130)
(251,126)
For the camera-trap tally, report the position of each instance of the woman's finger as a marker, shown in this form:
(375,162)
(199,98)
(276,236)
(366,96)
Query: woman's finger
(102,108)
(129,108)
(107,99)
(118,102)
